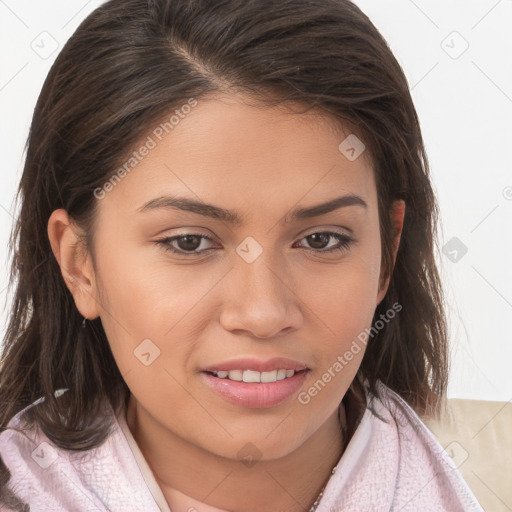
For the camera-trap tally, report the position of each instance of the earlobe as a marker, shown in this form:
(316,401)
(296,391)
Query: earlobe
(73,261)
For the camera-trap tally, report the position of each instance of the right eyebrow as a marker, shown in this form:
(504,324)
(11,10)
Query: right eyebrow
(234,217)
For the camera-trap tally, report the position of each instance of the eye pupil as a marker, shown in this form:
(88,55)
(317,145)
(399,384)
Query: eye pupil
(188,244)
(193,240)
(315,238)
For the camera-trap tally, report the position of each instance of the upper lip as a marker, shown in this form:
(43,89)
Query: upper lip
(247,363)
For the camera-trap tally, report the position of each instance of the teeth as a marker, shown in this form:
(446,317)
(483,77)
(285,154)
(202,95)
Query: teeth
(281,374)
(269,376)
(235,375)
(253,376)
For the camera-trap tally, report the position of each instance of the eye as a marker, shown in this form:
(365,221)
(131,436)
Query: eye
(190,244)
(320,241)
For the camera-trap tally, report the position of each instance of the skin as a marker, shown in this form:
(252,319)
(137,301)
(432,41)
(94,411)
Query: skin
(293,301)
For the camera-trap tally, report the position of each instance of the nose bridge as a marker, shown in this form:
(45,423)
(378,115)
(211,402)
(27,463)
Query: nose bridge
(257,266)
(259,297)
(260,282)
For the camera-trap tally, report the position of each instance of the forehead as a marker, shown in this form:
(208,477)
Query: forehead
(244,153)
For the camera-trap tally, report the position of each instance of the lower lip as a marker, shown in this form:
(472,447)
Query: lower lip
(257,395)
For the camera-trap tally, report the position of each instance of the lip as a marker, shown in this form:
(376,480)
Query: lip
(248,363)
(257,395)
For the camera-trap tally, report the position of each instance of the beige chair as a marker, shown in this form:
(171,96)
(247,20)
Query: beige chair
(478,436)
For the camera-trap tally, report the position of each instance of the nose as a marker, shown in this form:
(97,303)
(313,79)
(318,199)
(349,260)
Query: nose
(260,300)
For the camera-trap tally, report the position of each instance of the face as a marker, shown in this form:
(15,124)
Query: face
(272,285)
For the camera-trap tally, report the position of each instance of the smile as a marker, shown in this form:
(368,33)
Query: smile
(254,376)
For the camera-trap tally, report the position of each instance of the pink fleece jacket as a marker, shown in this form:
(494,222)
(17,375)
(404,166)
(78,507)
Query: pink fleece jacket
(392,463)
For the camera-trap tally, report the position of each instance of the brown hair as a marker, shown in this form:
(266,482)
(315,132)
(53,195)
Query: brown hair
(128,64)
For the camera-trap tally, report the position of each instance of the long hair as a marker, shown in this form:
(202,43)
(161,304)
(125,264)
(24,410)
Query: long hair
(129,63)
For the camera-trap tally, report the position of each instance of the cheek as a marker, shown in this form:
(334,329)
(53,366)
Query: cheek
(140,289)
(343,305)
(144,297)
(345,316)
(346,294)
(348,315)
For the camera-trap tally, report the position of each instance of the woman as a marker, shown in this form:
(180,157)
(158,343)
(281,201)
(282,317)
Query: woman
(227,296)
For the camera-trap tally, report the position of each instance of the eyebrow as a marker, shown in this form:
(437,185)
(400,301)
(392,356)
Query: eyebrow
(235,218)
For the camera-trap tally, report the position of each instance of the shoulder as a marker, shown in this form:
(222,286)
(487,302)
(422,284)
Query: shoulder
(425,474)
(392,462)
(48,477)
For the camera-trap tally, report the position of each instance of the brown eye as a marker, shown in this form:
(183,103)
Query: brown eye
(190,244)
(187,244)
(319,241)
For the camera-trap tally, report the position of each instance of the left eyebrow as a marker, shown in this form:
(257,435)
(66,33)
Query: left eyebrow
(329,206)
(234,217)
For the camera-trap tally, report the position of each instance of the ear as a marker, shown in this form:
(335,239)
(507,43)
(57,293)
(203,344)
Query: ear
(74,262)
(397,222)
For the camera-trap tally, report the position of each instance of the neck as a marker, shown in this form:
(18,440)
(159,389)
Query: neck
(194,479)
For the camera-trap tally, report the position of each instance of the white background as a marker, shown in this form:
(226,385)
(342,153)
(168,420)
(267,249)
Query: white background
(464,101)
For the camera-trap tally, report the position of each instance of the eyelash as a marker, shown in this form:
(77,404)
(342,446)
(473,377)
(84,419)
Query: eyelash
(344,240)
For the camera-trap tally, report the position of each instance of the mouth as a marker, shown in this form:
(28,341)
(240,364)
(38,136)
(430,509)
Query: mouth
(252,376)
(254,383)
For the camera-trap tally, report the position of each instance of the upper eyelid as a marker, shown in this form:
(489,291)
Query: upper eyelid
(192,231)
(212,239)
(344,241)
